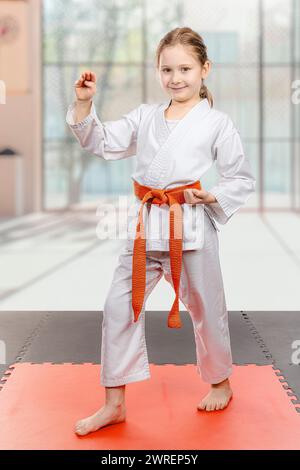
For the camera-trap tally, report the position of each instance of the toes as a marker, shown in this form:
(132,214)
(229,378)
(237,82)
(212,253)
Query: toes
(81,431)
(214,405)
(211,405)
(79,427)
(201,406)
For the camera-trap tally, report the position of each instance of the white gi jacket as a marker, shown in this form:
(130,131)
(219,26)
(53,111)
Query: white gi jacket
(167,158)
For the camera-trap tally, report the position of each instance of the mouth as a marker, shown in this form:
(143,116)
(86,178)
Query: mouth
(177,89)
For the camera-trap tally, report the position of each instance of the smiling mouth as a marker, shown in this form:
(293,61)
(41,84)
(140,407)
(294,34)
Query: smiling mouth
(178,88)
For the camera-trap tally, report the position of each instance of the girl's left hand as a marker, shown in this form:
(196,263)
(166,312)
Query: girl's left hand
(198,196)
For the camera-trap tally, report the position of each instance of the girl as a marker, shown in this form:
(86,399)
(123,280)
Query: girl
(175,143)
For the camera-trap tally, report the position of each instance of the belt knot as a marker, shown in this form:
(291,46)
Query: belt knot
(160,195)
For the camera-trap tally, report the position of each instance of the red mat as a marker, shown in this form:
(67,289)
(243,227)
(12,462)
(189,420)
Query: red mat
(40,403)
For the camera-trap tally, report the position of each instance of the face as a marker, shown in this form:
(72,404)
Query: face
(181,74)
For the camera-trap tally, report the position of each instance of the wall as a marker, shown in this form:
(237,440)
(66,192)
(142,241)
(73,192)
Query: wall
(21,117)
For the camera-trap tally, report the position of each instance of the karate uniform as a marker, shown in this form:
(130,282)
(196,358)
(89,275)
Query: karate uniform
(169,155)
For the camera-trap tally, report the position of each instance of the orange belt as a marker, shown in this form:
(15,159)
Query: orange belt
(174,198)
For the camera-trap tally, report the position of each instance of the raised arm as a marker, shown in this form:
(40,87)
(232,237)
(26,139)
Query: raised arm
(111,140)
(85,89)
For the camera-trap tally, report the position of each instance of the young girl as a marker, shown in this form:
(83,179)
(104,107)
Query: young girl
(175,143)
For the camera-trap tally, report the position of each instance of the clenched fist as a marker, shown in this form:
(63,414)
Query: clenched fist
(85,87)
(198,196)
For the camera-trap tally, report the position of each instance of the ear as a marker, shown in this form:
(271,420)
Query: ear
(206,69)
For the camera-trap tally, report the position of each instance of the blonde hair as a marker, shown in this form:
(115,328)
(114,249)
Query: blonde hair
(187,37)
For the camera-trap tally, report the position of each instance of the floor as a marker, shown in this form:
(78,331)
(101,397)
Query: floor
(55,273)
(55,261)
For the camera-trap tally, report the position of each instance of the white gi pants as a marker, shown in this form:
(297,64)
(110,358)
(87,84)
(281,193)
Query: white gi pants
(124,356)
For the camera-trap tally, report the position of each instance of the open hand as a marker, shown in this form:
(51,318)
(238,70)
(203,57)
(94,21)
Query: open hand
(198,196)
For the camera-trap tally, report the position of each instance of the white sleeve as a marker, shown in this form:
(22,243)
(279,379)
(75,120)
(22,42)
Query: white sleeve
(236,182)
(111,140)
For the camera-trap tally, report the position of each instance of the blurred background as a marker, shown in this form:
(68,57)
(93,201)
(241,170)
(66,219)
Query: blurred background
(50,256)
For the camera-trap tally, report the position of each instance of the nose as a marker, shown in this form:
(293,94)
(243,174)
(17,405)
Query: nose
(176,79)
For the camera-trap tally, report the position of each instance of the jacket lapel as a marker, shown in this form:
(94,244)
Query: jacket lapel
(156,170)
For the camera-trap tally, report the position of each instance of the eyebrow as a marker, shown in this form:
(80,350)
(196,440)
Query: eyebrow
(165,65)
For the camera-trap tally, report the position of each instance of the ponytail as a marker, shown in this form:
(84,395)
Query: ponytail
(205,93)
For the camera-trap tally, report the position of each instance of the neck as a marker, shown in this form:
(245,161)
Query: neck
(184,104)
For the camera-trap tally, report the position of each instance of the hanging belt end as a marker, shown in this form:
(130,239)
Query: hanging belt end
(174,322)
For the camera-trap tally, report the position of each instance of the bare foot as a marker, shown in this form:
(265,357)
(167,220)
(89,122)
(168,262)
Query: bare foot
(218,397)
(108,414)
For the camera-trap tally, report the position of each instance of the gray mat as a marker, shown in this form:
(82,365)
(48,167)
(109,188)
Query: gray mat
(177,346)
(18,331)
(277,331)
(75,337)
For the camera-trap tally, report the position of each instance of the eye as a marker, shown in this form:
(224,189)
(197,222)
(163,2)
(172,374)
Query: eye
(182,68)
